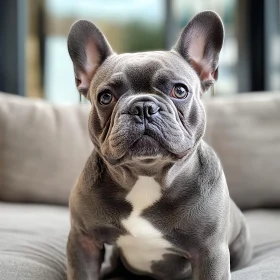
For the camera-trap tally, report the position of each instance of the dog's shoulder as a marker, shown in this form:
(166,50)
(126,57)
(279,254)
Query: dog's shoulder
(96,200)
(211,170)
(83,199)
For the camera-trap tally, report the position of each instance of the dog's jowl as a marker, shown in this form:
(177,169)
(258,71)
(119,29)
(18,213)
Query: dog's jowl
(152,192)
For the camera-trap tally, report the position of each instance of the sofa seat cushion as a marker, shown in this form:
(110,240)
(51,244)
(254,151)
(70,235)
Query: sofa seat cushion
(33,243)
(265,265)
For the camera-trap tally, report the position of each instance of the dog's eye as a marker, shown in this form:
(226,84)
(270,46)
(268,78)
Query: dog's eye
(105,98)
(179,92)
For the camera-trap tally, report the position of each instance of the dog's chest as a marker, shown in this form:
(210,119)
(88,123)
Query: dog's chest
(144,243)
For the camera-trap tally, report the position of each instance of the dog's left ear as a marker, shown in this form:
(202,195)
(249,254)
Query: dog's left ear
(88,49)
(200,44)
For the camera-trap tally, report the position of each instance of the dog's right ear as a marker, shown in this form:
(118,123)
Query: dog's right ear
(88,48)
(200,44)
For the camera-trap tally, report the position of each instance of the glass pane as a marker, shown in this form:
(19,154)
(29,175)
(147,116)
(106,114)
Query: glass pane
(134,25)
(128,25)
(272,14)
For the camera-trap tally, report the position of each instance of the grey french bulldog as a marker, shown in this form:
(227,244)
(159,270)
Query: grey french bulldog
(152,191)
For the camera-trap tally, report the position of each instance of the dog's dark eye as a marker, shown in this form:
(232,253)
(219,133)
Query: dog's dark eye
(105,98)
(179,92)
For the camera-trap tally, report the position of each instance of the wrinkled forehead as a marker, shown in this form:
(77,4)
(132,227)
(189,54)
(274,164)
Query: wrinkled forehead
(141,70)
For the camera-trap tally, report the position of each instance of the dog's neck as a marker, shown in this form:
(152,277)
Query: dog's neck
(164,171)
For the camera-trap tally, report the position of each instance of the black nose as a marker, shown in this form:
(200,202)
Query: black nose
(144,109)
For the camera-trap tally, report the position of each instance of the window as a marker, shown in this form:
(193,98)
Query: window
(35,61)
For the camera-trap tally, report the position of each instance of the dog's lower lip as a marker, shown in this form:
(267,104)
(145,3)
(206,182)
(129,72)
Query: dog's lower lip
(181,155)
(144,137)
(112,160)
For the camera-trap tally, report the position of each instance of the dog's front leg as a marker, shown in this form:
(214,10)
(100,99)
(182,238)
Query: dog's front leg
(84,257)
(211,263)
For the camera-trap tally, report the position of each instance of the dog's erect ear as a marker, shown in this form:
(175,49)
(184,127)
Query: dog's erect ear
(200,44)
(88,48)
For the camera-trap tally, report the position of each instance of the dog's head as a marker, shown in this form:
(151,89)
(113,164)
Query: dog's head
(147,105)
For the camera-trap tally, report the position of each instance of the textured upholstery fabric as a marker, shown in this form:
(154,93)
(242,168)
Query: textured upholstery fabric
(42,149)
(265,265)
(33,243)
(245,132)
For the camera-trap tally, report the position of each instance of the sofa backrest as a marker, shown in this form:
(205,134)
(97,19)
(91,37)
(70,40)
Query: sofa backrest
(43,147)
(245,132)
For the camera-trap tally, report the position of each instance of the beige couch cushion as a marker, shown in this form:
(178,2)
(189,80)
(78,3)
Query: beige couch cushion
(245,132)
(42,149)
(33,243)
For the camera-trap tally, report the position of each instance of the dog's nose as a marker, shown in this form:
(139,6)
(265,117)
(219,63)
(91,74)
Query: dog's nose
(144,109)
(150,108)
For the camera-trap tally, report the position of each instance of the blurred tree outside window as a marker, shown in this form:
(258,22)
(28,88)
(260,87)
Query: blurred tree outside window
(129,26)
(132,26)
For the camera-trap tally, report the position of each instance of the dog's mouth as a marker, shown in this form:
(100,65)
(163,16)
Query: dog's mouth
(148,150)
(147,147)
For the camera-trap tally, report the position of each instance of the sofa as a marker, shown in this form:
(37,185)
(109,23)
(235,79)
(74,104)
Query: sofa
(43,148)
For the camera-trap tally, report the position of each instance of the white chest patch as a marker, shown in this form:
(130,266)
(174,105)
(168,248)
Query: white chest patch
(144,243)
